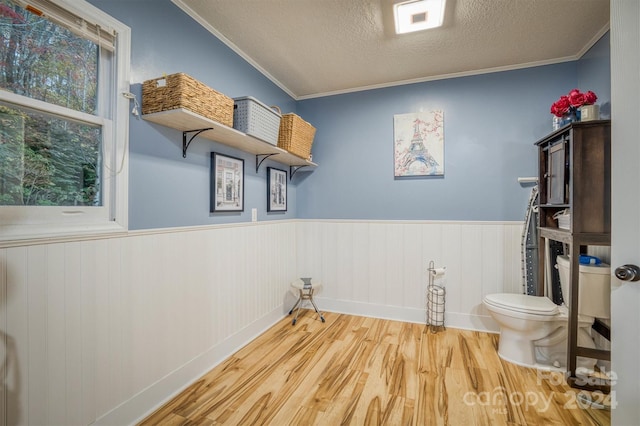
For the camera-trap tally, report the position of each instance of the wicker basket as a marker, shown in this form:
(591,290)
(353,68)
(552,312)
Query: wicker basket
(182,91)
(296,135)
(256,119)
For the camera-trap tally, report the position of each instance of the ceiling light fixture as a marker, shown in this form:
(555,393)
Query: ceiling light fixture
(417,15)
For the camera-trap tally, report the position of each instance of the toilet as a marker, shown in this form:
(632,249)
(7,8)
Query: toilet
(533,329)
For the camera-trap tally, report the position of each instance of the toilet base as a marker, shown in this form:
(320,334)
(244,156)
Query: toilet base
(536,365)
(555,353)
(552,355)
(514,349)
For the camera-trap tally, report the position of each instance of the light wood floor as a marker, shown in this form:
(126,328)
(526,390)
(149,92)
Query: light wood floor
(365,371)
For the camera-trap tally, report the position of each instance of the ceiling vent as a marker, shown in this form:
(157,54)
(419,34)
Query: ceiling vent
(418,15)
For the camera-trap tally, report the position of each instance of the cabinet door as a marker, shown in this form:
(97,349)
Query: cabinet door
(556,175)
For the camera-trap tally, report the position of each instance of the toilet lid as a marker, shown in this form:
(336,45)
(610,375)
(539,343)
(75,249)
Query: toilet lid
(523,303)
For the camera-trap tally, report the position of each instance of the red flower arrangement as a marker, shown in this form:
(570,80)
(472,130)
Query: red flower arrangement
(575,99)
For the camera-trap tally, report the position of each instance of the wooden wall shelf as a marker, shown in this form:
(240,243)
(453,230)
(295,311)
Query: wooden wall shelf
(190,122)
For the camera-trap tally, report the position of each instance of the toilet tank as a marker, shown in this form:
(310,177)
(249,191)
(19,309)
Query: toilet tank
(594,282)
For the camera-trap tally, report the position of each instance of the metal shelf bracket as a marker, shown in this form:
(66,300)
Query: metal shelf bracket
(260,158)
(294,169)
(185,144)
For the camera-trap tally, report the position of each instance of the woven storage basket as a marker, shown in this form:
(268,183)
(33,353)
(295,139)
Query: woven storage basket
(256,119)
(183,91)
(296,135)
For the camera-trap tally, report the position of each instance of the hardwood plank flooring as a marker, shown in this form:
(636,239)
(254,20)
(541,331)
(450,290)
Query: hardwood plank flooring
(367,371)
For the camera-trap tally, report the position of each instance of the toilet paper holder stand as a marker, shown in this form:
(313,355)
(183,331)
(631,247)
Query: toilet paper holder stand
(435,299)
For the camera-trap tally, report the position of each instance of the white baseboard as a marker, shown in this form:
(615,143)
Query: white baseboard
(153,397)
(398,313)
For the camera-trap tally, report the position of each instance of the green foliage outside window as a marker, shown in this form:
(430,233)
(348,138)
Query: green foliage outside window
(46,159)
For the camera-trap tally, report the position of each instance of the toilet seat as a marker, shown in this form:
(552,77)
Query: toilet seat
(523,303)
(538,308)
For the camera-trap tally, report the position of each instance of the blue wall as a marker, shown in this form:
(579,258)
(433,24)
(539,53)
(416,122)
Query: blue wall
(164,189)
(491,122)
(594,73)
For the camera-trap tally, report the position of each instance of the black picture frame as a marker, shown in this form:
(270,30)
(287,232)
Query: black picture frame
(227,183)
(276,190)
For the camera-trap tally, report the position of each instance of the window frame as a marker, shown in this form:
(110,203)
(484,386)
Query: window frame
(19,224)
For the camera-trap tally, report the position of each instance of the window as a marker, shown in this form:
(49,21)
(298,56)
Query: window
(63,124)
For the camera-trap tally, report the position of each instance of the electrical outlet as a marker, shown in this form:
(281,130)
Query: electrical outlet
(254,215)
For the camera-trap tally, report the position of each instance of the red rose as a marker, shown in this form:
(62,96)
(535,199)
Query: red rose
(576,98)
(590,98)
(561,106)
(563,102)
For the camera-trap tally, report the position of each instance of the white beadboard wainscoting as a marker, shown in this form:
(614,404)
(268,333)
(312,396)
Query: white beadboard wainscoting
(102,331)
(379,268)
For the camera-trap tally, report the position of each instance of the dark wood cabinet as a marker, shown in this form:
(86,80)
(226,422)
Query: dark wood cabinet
(575,178)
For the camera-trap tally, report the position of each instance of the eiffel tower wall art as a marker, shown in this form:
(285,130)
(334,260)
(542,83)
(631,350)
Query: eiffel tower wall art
(418,144)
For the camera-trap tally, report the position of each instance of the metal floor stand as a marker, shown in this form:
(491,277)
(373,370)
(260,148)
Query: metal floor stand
(306,293)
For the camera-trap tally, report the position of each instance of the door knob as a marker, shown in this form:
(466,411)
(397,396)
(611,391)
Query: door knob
(628,273)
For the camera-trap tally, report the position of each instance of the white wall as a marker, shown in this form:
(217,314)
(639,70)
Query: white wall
(625,203)
(379,268)
(105,330)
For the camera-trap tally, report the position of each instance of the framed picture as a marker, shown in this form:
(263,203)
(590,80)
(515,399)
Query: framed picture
(227,183)
(276,190)
(419,144)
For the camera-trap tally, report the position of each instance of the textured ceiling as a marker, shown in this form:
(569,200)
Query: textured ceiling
(315,48)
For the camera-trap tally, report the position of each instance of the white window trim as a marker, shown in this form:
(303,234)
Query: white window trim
(68,223)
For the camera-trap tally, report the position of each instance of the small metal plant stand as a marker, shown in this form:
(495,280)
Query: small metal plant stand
(305,287)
